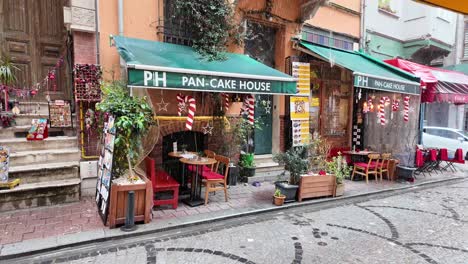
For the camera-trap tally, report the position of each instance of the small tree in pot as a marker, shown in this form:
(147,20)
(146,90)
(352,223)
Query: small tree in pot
(296,161)
(341,170)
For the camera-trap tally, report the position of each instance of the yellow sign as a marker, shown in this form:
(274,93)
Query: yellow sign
(301,71)
(315,102)
(299,108)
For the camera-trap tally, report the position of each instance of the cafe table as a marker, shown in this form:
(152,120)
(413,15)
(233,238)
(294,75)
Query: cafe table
(178,155)
(195,191)
(358,156)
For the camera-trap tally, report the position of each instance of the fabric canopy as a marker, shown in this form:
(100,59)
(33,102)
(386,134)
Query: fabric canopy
(441,85)
(368,72)
(153,64)
(459,6)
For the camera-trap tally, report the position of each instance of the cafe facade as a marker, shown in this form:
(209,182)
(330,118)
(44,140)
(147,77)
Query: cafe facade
(359,102)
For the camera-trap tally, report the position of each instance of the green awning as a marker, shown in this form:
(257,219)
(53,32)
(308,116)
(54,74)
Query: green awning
(368,72)
(160,65)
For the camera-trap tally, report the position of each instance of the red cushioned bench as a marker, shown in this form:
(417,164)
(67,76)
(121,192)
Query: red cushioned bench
(162,182)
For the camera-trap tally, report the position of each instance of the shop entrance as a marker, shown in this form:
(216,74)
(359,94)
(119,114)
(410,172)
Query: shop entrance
(260,45)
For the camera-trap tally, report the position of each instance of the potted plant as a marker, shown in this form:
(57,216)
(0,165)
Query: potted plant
(278,197)
(295,160)
(7,77)
(133,119)
(338,167)
(247,164)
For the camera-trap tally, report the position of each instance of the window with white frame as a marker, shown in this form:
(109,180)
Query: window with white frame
(465,41)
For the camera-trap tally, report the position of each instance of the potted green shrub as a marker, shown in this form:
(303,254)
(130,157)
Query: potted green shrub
(133,119)
(296,161)
(247,164)
(7,77)
(278,197)
(340,169)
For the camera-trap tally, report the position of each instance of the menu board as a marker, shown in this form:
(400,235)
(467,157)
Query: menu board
(104,180)
(4,163)
(299,109)
(301,71)
(60,114)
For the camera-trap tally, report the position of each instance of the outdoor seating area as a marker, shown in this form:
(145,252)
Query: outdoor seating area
(430,161)
(209,171)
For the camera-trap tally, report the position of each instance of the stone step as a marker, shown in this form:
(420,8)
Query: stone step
(45,172)
(28,195)
(263,158)
(21,131)
(34,107)
(269,176)
(44,156)
(25,119)
(21,144)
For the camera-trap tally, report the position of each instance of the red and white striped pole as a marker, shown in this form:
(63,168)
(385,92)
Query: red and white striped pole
(225,101)
(192,107)
(406,109)
(251,104)
(180,102)
(383,100)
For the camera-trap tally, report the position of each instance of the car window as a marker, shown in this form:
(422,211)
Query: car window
(431,131)
(451,134)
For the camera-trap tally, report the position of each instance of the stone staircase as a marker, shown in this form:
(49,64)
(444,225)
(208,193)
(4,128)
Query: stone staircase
(267,170)
(48,169)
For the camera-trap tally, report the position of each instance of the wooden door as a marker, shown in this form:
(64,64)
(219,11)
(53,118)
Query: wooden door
(33,34)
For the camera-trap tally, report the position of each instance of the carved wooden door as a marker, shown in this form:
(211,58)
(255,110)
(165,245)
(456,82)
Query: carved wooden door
(33,34)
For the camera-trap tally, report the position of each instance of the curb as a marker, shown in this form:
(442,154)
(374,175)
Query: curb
(321,204)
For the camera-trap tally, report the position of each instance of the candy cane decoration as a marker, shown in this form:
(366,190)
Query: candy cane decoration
(370,104)
(383,100)
(396,105)
(251,103)
(406,109)
(192,107)
(180,103)
(245,106)
(226,101)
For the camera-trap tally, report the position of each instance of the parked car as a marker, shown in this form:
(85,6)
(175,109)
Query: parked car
(443,137)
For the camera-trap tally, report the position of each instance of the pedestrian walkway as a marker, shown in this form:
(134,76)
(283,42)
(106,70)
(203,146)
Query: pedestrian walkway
(80,221)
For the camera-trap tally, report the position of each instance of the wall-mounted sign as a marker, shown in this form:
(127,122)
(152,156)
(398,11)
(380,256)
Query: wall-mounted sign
(299,107)
(376,83)
(185,81)
(104,181)
(60,114)
(301,71)
(300,132)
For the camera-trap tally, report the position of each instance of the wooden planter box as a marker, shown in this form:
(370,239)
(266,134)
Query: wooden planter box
(143,202)
(312,186)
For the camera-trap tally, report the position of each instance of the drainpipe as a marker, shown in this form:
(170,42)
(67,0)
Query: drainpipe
(120,15)
(362,43)
(96,21)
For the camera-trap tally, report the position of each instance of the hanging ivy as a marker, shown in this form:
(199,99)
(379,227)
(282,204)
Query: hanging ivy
(210,25)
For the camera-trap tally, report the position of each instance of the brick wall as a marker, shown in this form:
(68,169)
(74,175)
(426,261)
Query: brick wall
(84,47)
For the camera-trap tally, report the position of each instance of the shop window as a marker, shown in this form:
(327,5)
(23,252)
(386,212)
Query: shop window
(174,29)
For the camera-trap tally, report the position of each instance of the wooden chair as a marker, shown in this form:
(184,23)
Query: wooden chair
(209,154)
(365,169)
(383,165)
(162,182)
(217,180)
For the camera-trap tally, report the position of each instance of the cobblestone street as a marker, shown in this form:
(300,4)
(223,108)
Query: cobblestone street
(422,226)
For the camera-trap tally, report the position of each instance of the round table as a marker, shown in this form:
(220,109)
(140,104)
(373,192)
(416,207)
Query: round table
(179,154)
(358,156)
(195,193)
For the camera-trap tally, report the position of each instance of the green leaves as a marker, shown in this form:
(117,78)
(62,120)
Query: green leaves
(133,117)
(295,160)
(211,24)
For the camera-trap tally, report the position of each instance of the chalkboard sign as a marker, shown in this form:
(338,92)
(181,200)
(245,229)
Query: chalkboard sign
(104,181)
(60,114)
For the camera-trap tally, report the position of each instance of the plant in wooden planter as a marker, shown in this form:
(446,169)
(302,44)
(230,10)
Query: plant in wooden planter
(278,197)
(296,161)
(133,119)
(340,169)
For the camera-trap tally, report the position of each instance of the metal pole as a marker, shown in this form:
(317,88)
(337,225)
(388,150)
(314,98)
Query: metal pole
(130,215)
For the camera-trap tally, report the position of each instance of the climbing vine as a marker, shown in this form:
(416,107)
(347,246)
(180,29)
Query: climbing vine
(211,25)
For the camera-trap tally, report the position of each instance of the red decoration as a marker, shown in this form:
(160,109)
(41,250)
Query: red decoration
(406,109)
(87,82)
(322,173)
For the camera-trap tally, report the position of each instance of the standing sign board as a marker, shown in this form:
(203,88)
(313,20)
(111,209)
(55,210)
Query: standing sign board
(4,164)
(104,181)
(60,114)
(299,104)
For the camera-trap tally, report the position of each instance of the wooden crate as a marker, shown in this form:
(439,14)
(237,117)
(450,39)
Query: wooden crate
(312,186)
(143,202)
